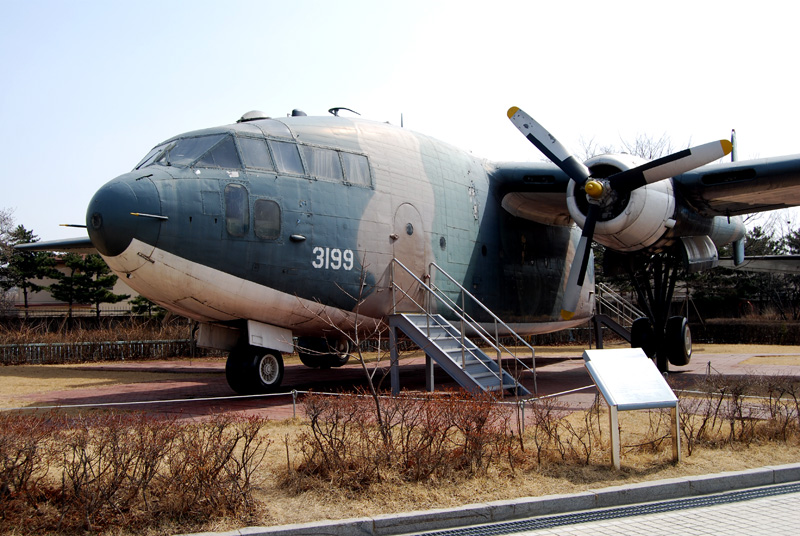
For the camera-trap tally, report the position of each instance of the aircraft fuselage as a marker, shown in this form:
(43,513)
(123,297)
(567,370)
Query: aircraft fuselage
(295,222)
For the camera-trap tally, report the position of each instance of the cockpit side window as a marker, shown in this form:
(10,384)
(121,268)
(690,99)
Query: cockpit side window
(323,163)
(222,155)
(255,153)
(186,150)
(151,156)
(287,158)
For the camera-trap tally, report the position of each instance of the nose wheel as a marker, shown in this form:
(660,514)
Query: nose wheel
(252,370)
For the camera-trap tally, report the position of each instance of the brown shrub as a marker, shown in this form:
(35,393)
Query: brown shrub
(87,473)
(423,437)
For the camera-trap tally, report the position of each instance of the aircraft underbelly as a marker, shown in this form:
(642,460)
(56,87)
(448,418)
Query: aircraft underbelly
(209,295)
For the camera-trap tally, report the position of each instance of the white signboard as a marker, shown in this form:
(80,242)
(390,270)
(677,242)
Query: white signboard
(628,379)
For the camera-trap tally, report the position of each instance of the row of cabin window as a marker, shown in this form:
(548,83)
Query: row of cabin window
(266,214)
(220,151)
(324,164)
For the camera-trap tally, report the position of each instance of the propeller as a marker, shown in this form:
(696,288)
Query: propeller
(603,191)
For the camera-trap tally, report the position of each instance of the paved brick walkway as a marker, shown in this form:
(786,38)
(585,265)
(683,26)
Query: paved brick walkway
(205,379)
(776,515)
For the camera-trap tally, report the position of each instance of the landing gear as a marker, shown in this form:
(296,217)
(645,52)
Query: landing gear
(642,336)
(316,352)
(678,341)
(663,337)
(253,370)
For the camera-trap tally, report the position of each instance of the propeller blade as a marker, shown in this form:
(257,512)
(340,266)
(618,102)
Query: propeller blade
(669,166)
(577,272)
(549,145)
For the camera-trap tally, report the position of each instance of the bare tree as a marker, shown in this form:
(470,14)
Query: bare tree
(648,147)
(6,227)
(363,329)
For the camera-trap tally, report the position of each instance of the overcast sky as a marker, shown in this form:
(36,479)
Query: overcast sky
(88,87)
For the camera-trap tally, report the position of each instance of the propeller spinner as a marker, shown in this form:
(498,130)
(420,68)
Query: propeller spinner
(599,191)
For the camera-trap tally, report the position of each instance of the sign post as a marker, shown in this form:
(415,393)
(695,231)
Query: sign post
(629,380)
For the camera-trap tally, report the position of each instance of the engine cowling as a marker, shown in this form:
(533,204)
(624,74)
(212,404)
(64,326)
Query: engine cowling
(651,217)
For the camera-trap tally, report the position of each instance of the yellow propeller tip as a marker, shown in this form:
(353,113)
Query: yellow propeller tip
(567,315)
(726,146)
(512,111)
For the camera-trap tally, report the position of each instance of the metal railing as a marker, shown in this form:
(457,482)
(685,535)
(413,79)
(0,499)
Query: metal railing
(76,352)
(612,304)
(493,340)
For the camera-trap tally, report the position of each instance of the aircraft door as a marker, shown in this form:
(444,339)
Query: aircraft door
(409,248)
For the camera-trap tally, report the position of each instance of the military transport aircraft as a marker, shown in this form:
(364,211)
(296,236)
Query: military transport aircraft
(272,229)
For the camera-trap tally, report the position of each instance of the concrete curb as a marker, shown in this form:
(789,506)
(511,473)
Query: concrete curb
(499,511)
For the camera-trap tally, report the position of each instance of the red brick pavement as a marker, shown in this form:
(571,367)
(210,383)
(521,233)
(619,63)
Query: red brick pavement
(205,379)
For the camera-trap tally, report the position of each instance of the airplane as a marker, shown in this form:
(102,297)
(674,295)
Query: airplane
(270,230)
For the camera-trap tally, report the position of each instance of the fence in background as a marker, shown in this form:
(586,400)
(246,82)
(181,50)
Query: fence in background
(78,352)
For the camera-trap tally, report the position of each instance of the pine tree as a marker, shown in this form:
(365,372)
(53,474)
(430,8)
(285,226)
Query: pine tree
(18,269)
(89,282)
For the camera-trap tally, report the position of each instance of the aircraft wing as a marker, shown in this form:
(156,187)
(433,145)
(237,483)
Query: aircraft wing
(74,245)
(537,191)
(775,264)
(742,187)
(534,191)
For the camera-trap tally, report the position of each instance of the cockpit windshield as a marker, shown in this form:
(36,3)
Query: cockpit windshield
(216,150)
(151,156)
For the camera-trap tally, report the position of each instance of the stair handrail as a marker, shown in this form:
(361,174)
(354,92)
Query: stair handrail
(621,307)
(465,318)
(462,318)
(478,327)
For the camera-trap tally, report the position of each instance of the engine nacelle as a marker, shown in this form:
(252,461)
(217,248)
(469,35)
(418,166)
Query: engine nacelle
(651,217)
(630,223)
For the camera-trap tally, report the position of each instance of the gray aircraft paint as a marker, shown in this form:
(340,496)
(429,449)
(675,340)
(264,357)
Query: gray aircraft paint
(428,202)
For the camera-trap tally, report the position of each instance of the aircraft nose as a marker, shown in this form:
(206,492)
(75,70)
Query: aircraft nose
(112,220)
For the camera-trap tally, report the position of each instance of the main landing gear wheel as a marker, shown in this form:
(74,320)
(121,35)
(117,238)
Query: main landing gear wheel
(678,341)
(252,370)
(642,336)
(316,352)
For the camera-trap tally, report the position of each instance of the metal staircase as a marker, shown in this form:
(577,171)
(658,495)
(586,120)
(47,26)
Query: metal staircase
(611,304)
(447,344)
(458,356)
(613,311)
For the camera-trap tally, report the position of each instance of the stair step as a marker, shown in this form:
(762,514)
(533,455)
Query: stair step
(441,340)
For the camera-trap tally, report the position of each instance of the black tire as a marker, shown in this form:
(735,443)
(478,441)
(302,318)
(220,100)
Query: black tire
(316,352)
(340,353)
(235,373)
(678,341)
(642,336)
(252,370)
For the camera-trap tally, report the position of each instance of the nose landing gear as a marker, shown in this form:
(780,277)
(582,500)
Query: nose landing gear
(253,370)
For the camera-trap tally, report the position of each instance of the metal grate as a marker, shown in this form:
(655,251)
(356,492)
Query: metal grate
(547,522)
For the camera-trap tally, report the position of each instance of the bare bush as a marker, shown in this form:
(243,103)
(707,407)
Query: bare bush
(88,473)
(428,436)
(722,410)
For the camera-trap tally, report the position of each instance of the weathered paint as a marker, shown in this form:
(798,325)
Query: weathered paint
(429,202)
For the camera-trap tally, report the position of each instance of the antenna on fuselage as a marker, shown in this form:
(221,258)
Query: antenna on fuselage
(733,144)
(335,111)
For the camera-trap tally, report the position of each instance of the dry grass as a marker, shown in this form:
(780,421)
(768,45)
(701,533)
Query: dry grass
(325,502)
(284,500)
(780,360)
(19,381)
